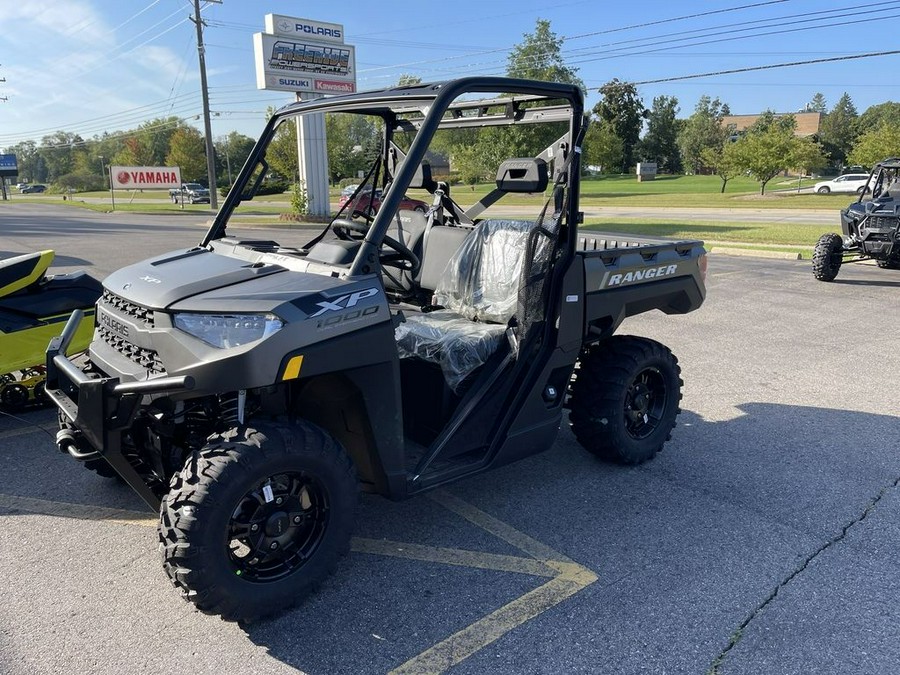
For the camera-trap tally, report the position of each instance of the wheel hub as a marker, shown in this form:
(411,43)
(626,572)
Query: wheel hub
(277,524)
(645,403)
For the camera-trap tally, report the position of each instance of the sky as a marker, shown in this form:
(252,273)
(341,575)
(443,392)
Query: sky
(94,66)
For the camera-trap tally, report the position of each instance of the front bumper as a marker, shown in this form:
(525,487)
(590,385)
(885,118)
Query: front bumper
(100,409)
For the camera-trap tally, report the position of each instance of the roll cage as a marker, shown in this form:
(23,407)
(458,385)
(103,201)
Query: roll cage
(424,109)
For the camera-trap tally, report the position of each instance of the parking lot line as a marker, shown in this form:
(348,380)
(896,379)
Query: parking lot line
(454,556)
(566,577)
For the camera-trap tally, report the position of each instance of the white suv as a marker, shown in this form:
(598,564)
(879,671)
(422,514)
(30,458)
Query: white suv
(850,182)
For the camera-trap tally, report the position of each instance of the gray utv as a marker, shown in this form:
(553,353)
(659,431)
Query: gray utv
(248,390)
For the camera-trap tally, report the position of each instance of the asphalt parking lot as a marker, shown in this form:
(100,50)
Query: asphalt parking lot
(762,540)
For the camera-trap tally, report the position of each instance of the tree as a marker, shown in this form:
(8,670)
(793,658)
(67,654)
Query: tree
(702,130)
(282,152)
(877,115)
(58,153)
(232,151)
(188,151)
(156,136)
(876,145)
(817,104)
(837,132)
(769,146)
(539,57)
(602,147)
(470,165)
(660,143)
(27,159)
(407,80)
(807,155)
(724,161)
(765,149)
(135,151)
(622,107)
(352,144)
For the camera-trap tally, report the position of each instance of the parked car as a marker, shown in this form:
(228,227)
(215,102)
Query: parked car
(849,182)
(365,197)
(33,188)
(19,186)
(193,193)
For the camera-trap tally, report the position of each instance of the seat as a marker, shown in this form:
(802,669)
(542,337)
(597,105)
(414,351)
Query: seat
(408,227)
(23,270)
(478,292)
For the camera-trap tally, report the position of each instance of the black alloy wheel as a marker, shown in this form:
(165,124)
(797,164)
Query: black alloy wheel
(645,403)
(277,526)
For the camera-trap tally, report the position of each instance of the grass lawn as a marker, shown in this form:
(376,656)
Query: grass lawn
(704,191)
(792,234)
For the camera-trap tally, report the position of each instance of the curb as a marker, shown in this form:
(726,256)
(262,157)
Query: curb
(756,253)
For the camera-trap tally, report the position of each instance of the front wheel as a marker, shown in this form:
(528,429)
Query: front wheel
(258,517)
(624,398)
(828,256)
(888,264)
(824,190)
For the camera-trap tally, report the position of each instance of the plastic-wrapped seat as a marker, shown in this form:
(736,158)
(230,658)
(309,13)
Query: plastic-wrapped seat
(479,294)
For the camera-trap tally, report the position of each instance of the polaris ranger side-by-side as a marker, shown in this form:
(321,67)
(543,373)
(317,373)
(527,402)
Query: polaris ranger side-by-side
(249,390)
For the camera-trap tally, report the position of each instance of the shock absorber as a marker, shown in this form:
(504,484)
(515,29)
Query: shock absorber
(228,409)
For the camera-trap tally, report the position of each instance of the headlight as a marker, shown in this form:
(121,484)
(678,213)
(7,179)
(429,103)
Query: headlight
(228,330)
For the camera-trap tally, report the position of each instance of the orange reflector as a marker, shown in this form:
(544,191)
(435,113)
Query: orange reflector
(292,371)
(703,264)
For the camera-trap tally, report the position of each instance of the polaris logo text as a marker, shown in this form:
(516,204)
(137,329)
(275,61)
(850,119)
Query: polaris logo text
(344,302)
(112,324)
(336,33)
(639,275)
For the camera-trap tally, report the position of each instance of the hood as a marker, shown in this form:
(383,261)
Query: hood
(159,282)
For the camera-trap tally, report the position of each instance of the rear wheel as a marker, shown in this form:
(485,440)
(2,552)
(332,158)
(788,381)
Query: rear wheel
(888,264)
(624,399)
(257,518)
(827,257)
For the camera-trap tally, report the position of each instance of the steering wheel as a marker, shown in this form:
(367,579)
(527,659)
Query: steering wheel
(401,257)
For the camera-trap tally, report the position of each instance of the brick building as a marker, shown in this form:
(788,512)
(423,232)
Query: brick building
(808,123)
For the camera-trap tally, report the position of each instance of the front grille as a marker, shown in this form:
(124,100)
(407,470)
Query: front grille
(128,308)
(146,358)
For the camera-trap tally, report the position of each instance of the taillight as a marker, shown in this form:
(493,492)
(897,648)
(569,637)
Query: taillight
(702,263)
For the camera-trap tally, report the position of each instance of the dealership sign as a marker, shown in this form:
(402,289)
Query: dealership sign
(304,56)
(289,26)
(8,166)
(145,177)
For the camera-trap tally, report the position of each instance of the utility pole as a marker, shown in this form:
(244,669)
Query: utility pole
(210,153)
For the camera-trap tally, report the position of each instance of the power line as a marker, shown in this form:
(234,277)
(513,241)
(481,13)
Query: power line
(769,67)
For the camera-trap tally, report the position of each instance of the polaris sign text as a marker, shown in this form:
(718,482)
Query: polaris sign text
(294,27)
(145,177)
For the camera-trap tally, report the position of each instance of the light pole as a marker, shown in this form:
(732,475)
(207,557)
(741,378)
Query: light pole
(112,196)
